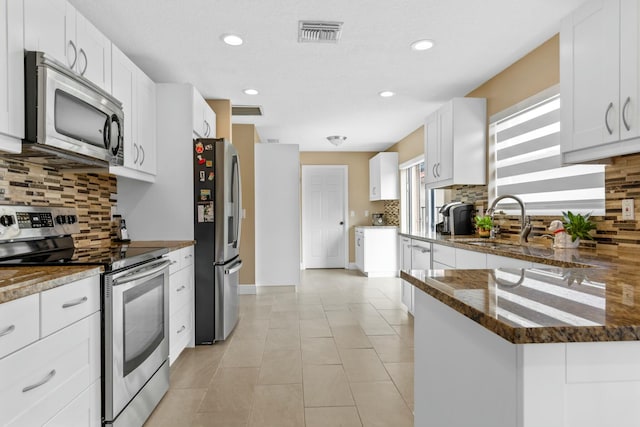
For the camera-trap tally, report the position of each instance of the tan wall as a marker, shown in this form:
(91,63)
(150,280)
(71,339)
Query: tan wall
(410,146)
(358,163)
(222,108)
(531,74)
(244,139)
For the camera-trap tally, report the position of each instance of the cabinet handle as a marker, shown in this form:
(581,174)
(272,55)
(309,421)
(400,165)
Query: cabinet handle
(7,330)
(624,113)
(606,118)
(438,169)
(86,61)
(422,249)
(358,242)
(181,288)
(135,159)
(433,170)
(75,302)
(75,54)
(207,128)
(143,155)
(181,329)
(173,262)
(43,381)
(188,256)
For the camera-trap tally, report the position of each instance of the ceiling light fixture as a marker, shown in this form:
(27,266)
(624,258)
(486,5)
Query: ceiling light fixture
(232,39)
(250,92)
(386,93)
(336,139)
(422,44)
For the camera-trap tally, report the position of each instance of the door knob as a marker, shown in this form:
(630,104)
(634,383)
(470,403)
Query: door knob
(341,222)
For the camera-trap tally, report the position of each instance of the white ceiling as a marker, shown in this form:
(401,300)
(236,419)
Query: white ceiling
(310,91)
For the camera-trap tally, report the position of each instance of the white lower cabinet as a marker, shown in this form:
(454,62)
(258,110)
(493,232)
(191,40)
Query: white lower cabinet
(181,302)
(376,251)
(50,363)
(444,257)
(406,289)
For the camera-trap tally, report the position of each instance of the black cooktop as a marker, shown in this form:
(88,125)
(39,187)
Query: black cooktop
(60,250)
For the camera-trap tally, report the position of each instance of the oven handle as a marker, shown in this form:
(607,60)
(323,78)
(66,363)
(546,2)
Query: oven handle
(152,269)
(236,267)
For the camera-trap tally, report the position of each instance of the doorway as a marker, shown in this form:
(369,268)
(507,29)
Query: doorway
(324,216)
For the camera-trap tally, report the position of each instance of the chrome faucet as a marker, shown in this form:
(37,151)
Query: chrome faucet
(525,223)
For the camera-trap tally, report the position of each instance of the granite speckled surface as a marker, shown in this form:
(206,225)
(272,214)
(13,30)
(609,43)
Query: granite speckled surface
(18,282)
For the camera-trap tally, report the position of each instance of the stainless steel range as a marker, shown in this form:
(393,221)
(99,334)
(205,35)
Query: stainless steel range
(135,304)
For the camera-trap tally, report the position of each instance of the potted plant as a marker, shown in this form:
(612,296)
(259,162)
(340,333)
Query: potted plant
(578,227)
(484,224)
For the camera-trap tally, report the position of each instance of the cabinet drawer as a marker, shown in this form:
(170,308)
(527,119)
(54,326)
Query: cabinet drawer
(83,411)
(181,289)
(41,379)
(470,259)
(444,254)
(180,331)
(186,257)
(66,304)
(497,261)
(174,257)
(19,323)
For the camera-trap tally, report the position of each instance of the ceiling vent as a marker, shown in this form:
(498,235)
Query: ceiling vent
(246,110)
(319,32)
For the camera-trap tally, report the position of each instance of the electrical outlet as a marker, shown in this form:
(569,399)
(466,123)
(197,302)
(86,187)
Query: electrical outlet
(353,214)
(366,213)
(628,212)
(627,294)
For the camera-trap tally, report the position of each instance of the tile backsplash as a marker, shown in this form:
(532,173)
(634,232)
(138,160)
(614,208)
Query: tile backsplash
(90,193)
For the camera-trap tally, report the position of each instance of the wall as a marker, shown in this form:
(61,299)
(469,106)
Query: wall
(222,108)
(23,183)
(409,147)
(358,178)
(244,139)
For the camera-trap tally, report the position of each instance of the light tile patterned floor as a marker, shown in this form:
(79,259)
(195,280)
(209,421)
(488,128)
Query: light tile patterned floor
(336,351)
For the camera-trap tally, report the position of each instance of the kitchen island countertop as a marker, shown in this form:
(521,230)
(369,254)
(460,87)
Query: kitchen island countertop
(18,282)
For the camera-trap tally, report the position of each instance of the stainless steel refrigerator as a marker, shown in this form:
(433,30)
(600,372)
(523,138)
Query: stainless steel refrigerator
(217,223)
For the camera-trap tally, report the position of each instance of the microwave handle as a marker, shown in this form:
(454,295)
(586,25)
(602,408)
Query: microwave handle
(106,133)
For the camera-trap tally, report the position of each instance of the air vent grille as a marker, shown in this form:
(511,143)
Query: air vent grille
(319,32)
(246,110)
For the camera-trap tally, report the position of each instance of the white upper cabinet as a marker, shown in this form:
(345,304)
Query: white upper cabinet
(456,142)
(600,81)
(54,27)
(137,92)
(204,118)
(11,75)
(383,177)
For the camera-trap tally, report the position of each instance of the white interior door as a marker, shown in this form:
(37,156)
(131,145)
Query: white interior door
(324,219)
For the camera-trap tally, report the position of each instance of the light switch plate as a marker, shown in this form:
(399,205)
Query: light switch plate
(628,212)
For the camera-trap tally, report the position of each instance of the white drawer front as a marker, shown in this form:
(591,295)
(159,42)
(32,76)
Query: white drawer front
(174,257)
(40,380)
(180,331)
(83,411)
(19,323)
(69,303)
(186,257)
(444,254)
(181,289)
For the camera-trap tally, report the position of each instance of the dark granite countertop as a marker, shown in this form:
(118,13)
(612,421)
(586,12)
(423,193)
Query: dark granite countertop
(18,282)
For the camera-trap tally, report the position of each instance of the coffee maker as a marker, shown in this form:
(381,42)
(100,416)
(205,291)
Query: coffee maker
(456,219)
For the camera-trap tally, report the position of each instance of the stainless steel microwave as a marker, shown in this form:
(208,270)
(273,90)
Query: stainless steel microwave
(70,122)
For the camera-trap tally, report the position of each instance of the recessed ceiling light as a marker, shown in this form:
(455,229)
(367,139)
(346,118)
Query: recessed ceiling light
(386,94)
(250,92)
(232,39)
(422,44)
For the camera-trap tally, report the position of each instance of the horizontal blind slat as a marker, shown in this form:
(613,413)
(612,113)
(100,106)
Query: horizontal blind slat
(546,141)
(529,125)
(558,184)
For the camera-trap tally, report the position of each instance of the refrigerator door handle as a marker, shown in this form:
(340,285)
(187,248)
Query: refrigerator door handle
(238,200)
(233,269)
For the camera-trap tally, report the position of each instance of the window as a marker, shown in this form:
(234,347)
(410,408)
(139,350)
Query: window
(413,202)
(526,162)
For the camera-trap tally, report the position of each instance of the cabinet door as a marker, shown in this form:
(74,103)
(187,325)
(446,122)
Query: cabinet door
(49,29)
(198,114)
(406,253)
(432,146)
(209,120)
(12,71)
(94,53)
(123,79)
(444,169)
(420,255)
(629,69)
(359,238)
(590,76)
(374,178)
(470,259)
(146,100)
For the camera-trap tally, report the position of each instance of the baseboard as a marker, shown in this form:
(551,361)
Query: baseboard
(266,285)
(352,266)
(246,289)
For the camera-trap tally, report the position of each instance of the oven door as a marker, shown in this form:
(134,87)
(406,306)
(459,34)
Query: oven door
(135,331)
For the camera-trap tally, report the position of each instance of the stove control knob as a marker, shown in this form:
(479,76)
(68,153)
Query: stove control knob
(72,219)
(7,220)
(61,219)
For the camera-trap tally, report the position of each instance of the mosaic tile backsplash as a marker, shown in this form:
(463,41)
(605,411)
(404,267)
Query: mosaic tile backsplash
(90,193)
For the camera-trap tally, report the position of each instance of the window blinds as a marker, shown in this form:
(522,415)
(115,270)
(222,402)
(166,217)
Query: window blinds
(527,163)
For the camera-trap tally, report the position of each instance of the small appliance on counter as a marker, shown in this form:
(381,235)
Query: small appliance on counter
(122,233)
(457,219)
(377,219)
